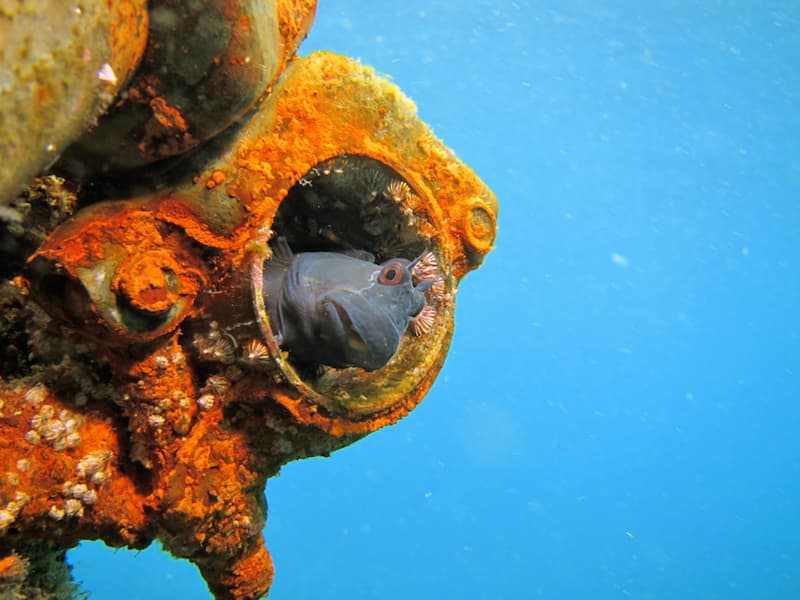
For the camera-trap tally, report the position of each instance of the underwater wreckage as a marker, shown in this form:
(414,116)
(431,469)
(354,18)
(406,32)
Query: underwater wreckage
(150,380)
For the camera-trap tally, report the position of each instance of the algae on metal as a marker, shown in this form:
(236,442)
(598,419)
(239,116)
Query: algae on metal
(61,66)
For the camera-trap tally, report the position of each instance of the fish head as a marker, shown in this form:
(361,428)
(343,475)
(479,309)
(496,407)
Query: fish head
(392,292)
(338,310)
(363,321)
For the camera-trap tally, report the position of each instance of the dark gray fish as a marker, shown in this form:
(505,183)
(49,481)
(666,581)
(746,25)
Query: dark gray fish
(336,309)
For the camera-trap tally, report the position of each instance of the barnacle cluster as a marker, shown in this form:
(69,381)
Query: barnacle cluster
(353,202)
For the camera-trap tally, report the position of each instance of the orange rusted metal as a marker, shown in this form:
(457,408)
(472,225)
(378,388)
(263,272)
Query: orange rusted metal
(149,398)
(204,67)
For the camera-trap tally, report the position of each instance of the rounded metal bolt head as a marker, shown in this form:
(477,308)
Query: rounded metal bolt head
(149,284)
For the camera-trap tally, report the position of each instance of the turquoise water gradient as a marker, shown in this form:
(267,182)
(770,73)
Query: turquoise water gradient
(618,416)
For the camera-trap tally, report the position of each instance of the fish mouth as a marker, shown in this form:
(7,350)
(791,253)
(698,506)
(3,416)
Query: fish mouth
(354,338)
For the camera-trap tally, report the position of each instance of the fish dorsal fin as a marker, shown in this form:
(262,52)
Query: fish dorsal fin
(282,254)
(274,274)
(359,254)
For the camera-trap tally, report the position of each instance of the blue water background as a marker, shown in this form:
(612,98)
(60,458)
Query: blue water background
(619,412)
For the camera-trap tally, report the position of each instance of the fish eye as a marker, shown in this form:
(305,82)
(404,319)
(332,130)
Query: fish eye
(392,273)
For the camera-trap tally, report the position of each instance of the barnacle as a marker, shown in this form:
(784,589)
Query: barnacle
(423,323)
(344,203)
(255,351)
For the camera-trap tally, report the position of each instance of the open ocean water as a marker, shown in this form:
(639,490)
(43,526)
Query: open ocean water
(619,413)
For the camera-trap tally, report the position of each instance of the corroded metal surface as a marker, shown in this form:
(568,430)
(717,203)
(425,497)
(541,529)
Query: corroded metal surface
(61,66)
(205,65)
(143,394)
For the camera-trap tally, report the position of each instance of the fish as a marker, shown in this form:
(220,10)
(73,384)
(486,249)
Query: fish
(339,309)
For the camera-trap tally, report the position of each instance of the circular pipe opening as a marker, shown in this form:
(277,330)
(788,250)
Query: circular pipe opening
(356,205)
(352,203)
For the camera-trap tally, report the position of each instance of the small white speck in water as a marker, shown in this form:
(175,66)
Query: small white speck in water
(620,260)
